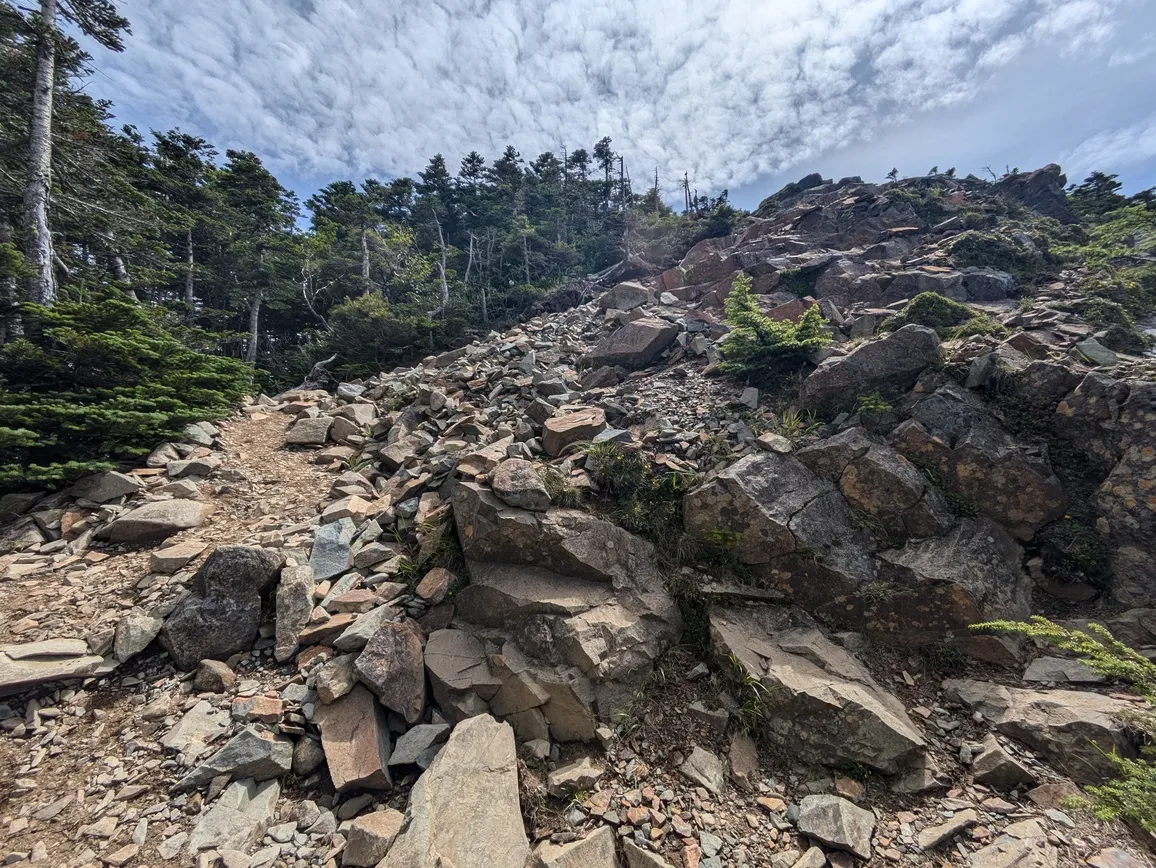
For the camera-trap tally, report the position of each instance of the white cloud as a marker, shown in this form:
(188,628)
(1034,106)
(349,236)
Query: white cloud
(728,91)
(1114,150)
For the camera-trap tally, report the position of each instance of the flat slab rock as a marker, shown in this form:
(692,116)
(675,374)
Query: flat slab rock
(837,823)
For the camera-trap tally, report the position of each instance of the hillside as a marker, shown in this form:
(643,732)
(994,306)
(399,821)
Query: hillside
(678,572)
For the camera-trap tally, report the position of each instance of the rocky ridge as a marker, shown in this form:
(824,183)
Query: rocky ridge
(439,649)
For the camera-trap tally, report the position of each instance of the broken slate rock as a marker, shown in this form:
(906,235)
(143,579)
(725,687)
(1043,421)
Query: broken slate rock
(251,753)
(134,632)
(838,823)
(392,666)
(596,850)
(155,521)
(294,606)
(238,819)
(516,482)
(413,746)
(705,769)
(355,738)
(331,547)
(369,838)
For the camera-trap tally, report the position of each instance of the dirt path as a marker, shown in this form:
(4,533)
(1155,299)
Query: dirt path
(85,778)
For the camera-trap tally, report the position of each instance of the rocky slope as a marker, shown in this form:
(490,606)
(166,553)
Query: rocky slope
(422,631)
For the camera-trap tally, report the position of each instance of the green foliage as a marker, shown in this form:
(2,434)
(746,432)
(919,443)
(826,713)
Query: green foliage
(1115,251)
(561,492)
(1131,796)
(98,380)
(872,403)
(994,250)
(798,282)
(950,319)
(1097,196)
(758,346)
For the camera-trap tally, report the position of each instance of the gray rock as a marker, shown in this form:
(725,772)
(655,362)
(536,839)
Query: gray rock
(517,483)
(155,521)
(1042,191)
(198,727)
(309,432)
(987,284)
(705,769)
(933,836)
(358,634)
(251,753)
(393,667)
(889,366)
(625,296)
(331,548)
(413,746)
(238,819)
(464,810)
(369,838)
(828,707)
(222,612)
(308,755)
(106,486)
(336,678)
(636,857)
(134,632)
(1061,669)
(459,673)
(1074,730)
(837,823)
(596,850)
(582,774)
(19,674)
(995,767)
(636,344)
(294,606)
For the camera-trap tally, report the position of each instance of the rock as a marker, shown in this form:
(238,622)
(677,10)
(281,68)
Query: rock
(596,850)
(358,634)
(1061,669)
(744,760)
(331,549)
(415,745)
(238,819)
(879,482)
(106,486)
(369,838)
(889,366)
(995,767)
(636,344)
(580,775)
(625,296)
(355,738)
(980,462)
(308,755)
(294,607)
(516,482)
(908,284)
(940,586)
(1024,844)
(22,672)
(214,676)
(988,284)
(933,836)
(705,769)
(1074,730)
(251,753)
(828,707)
(134,632)
(192,467)
(562,431)
(1114,857)
(172,558)
(636,857)
(791,526)
(392,666)
(155,521)
(1041,190)
(464,810)
(435,585)
(459,674)
(197,728)
(837,823)
(222,612)
(309,432)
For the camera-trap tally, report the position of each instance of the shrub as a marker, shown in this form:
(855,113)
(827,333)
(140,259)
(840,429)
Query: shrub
(991,250)
(96,381)
(950,319)
(760,346)
(1132,796)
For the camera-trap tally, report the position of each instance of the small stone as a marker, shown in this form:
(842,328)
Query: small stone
(933,836)
(369,837)
(705,769)
(837,823)
(580,775)
(214,676)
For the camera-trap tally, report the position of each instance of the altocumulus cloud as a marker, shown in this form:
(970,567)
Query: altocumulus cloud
(727,91)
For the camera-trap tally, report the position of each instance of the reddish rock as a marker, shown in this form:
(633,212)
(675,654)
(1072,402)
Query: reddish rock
(355,737)
(435,585)
(393,667)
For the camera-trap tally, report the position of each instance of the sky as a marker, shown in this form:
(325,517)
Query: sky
(743,95)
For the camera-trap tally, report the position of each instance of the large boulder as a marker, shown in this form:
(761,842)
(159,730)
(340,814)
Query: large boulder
(155,521)
(937,587)
(1041,190)
(558,432)
(980,462)
(790,525)
(625,296)
(518,484)
(635,345)
(889,366)
(827,707)
(880,483)
(106,486)
(355,737)
(221,614)
(464,809)
(1127,499)
(1075,731)
(908,284)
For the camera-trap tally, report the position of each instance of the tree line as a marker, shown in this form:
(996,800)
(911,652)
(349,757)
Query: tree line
(382,269)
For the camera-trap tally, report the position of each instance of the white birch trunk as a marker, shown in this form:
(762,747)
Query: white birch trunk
(42,284)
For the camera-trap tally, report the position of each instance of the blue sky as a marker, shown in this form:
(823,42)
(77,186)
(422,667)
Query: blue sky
(740,94)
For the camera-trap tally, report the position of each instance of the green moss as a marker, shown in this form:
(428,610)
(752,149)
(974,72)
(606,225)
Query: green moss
(950,319)
(977,249)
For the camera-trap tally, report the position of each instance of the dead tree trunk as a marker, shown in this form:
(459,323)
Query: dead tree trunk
(190,300)
(42,283)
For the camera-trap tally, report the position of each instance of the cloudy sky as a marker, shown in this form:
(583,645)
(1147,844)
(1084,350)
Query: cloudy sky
(740,94)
